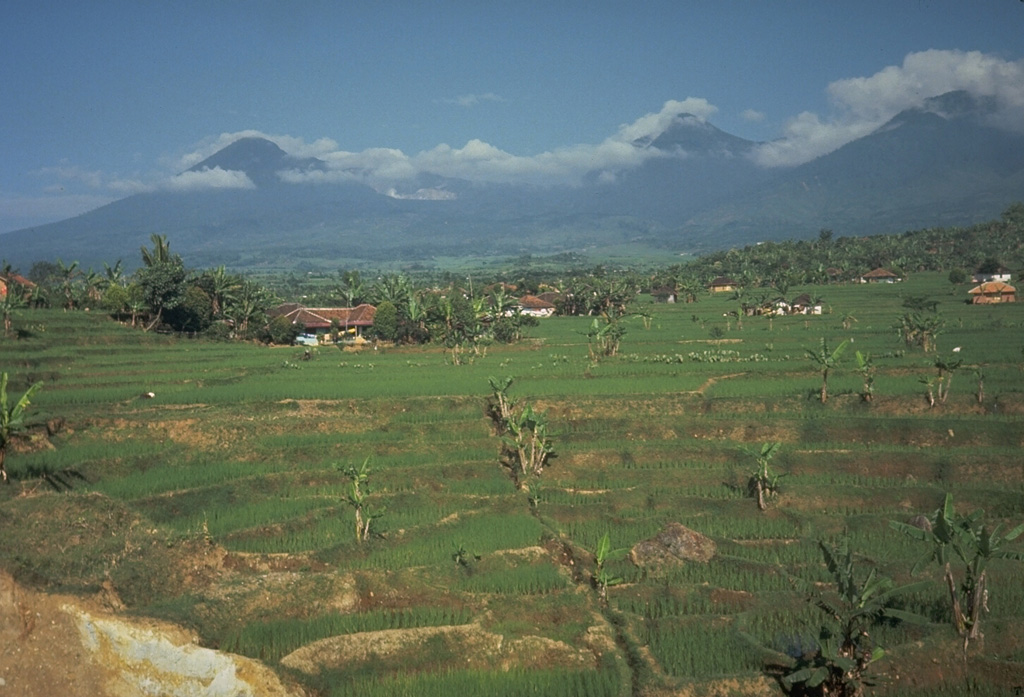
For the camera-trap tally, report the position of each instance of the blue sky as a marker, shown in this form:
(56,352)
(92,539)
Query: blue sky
(99,100)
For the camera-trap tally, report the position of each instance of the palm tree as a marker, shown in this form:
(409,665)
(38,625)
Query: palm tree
(11,419)
(826,361)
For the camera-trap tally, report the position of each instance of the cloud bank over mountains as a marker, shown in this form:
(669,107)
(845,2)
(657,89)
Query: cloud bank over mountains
(865,103)
(859,106)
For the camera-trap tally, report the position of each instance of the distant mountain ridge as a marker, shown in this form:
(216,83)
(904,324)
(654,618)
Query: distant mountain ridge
(698,188)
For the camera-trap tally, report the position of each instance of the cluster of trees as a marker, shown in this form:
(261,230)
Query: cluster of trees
(442,309)
(453,316)
(162,292)
(831,259)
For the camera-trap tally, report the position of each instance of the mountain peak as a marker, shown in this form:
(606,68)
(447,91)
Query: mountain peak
(259,158)
(957,105)
(693,135)
(960,104)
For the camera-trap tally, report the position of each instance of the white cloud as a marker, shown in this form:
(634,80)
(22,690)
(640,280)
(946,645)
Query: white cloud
(752,115)
(860,105)
(471,100)
(863,104)
(215,178)
(651,125)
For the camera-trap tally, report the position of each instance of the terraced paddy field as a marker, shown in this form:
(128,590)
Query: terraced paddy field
(222,503)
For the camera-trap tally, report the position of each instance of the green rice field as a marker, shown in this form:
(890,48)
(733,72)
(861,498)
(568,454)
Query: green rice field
(222,502)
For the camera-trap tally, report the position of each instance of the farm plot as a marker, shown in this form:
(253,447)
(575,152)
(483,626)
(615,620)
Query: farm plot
(225,501)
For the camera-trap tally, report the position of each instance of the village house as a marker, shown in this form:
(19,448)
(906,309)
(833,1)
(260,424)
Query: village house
(11,281)
(993,292)
(805,305)
(880,275)
(535,307)
(665,294)
(723,284)
(1001,273)
(350,321)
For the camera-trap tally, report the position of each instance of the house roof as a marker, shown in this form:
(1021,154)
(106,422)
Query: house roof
(722,281)
(17,279)
(321,317)
(532,302)
(993,288)
(549,296)
(361,315)
(804,299)
(284,309)
(880,273)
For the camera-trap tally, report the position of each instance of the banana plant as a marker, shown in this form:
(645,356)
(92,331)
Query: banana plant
(826,360)
(763,483)
(356,496)
(602,579)
(846,649)
(866,368)
(500,407)
(12,418)
(465,559)
(528,438)
(946,368)
(526,447)
(967,539)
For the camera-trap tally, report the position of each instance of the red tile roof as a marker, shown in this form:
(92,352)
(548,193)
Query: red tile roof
(321,317)
(532,302)
(993,288)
